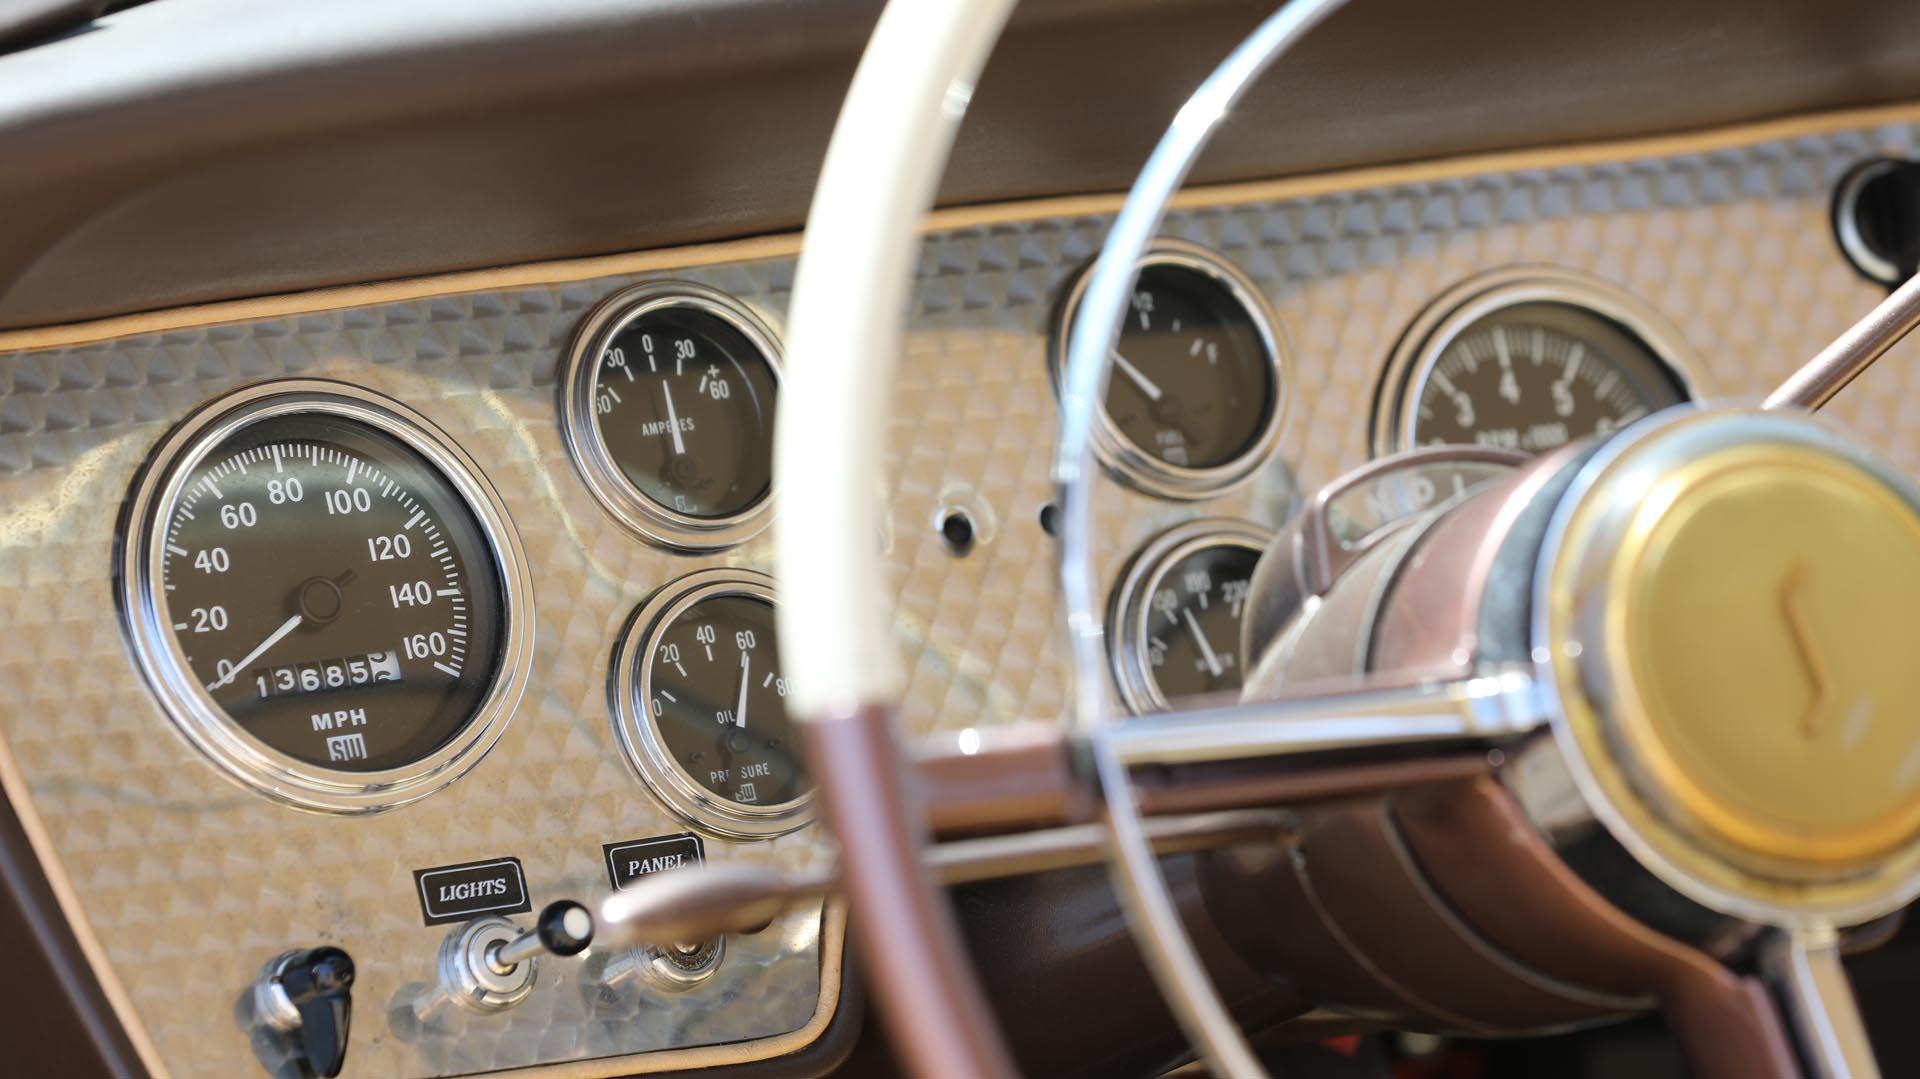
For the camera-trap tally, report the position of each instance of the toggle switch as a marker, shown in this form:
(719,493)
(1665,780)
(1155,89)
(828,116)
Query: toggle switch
(489,964)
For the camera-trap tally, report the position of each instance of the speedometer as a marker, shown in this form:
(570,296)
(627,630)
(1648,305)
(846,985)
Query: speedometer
(325,595)
(1528,359)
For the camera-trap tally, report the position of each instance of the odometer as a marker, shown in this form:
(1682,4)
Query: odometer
(327,596)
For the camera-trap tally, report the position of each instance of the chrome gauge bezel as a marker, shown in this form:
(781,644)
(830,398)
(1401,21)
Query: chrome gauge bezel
(634,509)
(1443,320)
(646,752)
(1142,470)
(163,664)
(1130,608)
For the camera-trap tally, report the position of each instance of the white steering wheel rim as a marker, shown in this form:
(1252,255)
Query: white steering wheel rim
(845,321)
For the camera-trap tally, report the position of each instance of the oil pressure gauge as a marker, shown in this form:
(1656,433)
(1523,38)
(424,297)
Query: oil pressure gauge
(699,702)
(1176,616)
(668,409)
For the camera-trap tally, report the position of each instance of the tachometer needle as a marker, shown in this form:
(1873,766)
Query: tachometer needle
(673,420)
(740,706)
(1199,638)
(1139,378)
(285,628)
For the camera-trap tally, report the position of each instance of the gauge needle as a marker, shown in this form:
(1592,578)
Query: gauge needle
(1139,379)
(273,639)
(740,706)
(1199,638)
(673,420)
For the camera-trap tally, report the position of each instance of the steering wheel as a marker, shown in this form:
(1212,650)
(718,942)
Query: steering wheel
(1594,643)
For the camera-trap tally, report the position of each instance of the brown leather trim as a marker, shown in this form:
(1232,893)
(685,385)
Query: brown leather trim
(1366,885)
(1487,859)
(535,271)
(923,985)
(1022,778)
(57,1021)
(1018,778)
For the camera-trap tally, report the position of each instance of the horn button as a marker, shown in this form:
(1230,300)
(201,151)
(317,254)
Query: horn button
(1735,602)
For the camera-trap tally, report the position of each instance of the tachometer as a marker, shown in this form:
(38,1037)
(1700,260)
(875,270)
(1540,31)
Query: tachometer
(326,596)
(1528,360)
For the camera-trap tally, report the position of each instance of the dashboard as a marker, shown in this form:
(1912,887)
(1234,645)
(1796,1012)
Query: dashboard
(343,619)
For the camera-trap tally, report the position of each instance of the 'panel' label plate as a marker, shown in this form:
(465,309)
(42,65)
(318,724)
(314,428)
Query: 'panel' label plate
(628,862)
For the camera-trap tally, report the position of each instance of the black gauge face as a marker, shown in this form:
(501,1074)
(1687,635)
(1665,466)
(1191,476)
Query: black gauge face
(718,701)
(332,592)
(1192,632)
(1535,376)
(1193,382)
(683,401)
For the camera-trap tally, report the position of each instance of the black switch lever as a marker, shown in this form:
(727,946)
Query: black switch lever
(310,994)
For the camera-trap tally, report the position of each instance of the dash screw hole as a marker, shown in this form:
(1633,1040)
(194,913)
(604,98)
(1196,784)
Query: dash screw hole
(957,531)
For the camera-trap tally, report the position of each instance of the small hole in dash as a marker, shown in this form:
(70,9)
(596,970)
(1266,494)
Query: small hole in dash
(956,531)
(1050,519)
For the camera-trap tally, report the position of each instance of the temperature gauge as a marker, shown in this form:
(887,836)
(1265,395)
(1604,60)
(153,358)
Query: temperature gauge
(1176,615)
(668,410)
(700,706)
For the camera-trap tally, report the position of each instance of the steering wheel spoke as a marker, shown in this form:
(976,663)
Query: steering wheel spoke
(1803,969)
(1487,709)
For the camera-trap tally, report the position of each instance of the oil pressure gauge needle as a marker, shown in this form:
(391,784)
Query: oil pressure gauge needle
(1147,385)
(1200,638)
(740,706)
(285,628)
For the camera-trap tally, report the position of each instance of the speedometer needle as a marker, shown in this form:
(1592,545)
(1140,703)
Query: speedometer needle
(285,628)
(740,707)
(1139,377)
(673,420)
(1199,638)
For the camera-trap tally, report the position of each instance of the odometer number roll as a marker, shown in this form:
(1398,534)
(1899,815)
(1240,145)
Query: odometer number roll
(699,706)
(326,596)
